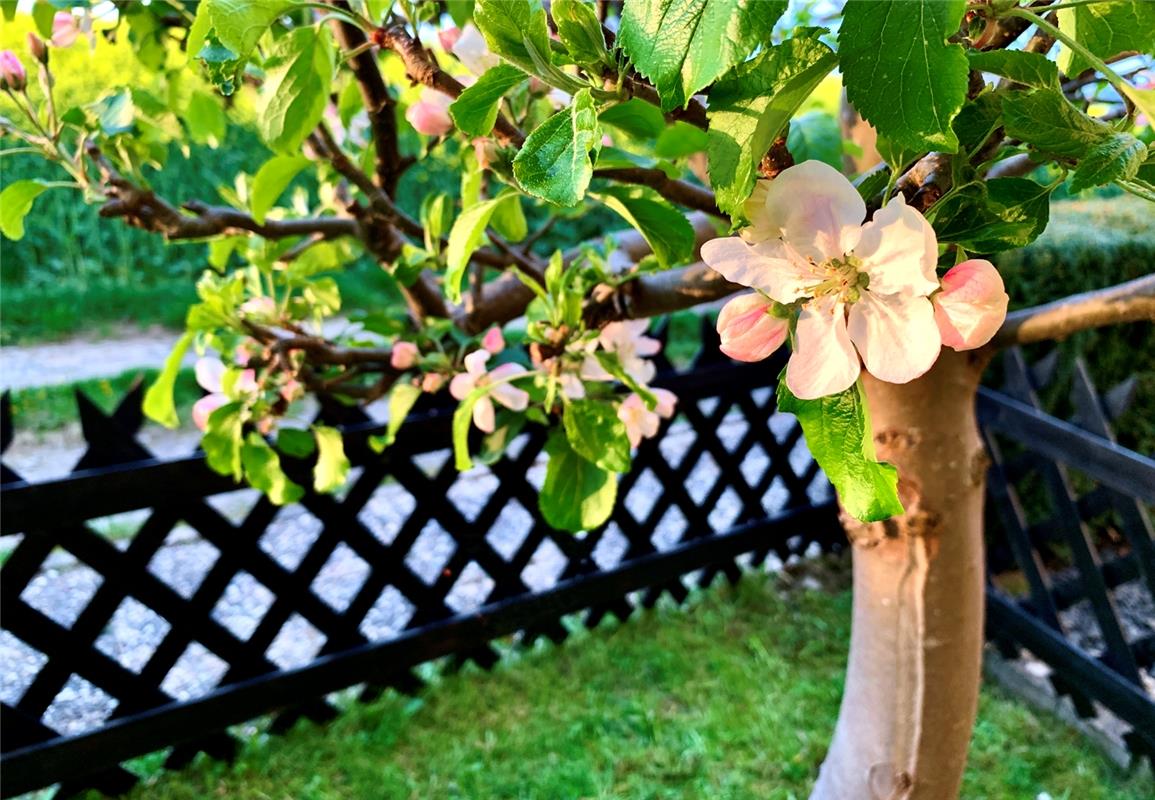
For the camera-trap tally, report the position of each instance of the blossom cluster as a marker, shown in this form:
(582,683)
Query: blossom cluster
(848,294)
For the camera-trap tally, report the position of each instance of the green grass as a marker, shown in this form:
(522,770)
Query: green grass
(735,698)
(50,408)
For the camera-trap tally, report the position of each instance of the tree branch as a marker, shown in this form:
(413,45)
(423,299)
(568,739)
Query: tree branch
(1133,301)
(681,192)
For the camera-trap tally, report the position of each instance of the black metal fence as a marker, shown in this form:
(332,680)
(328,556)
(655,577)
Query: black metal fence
(415,562)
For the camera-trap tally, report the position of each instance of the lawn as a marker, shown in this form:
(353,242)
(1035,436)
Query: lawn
(733,698)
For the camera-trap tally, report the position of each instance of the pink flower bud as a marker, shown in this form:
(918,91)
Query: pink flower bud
(404,355)
(292,390)
(971,306)
(64,29)
(12,71)
(494,342)
(448,38)
(749,331)
(37,48)
(247,382)
(432,382)
(430,116)
(485,150)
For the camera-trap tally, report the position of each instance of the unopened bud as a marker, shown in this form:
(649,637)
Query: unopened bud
(12,71)
(38,48)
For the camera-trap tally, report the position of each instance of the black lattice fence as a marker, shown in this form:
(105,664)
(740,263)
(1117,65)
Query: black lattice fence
(155,635)
(1071,551)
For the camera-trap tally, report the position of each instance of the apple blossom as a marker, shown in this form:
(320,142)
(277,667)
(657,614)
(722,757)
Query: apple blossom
(640,421)
(448,37)
(65,29)
(473,51)
(404,355)
(210,374)
(861,287)
(12,71)
(493,341)
(632,347)
(476,377)
(432,382)
(430,115)
(37,48)
(971,306)
(749,329)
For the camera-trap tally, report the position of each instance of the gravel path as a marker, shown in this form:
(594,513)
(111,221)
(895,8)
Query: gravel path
(64,586)
(30,366)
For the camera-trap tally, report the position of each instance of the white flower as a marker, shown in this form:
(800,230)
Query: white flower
(476,376)
(472,50)
(210,374)
(642,423)
(628,340)
(861,287)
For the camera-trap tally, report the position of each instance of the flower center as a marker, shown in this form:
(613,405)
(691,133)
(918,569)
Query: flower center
(841,277)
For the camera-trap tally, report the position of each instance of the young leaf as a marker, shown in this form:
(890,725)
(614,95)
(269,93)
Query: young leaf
(270,182)
(158,404)
(464,238)
(597,435)
(837,430)
(900,73)
(815,135)
(332,467)
(402,398)
(15,202)
(1116,158)
(995,215)
(295,442)
(636,118)
(1045,120)
(1107,29)
(577,495)
(667,231)
(1030,69)
(751,107)
(205,119)
(509,219)
(554,163)
(224,34)
(296,88)
(685,45)
(580,31)
(474,112)
(263,470)
(222,440)
(517,31)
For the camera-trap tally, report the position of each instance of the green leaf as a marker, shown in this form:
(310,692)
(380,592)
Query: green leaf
(1044,119)
(158,403)
(465,237)
(685,45)
(751,107)
(680,140)
(994,215)
(636,118)
(263,470)
(580,31)
(222,440)
(517,31)
(42,14)
(295,442)
(1031,69)
(838,434)
(815,136)
(115,113)
(597,434)
(895,154)
(509,219)
(1107,29)
(296,88)
(402,398)
(332,467)
(978,120)
(475,111)
(1116,158)
(900,74)
(205,119)
(270,182)
(554,163)
(577,495)
(237,24)
(15,202)
(665,228)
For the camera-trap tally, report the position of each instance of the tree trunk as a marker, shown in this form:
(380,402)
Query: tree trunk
(913,676)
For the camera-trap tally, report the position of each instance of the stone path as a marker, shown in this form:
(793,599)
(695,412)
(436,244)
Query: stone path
(30,366)
(65,585)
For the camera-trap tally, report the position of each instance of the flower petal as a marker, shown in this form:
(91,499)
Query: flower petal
(749,332)
(816,209)
(767,267)
(484,416)
(667,401)
(971,306)
(202,409)
(824,361)
(210,372)
(462,384)
(899,251)
(475,362)
(896,335)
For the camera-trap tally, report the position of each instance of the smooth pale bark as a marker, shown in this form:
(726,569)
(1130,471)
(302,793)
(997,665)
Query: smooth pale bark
(913,676)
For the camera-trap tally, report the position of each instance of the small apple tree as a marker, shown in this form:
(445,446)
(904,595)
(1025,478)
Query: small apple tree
(673,115)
